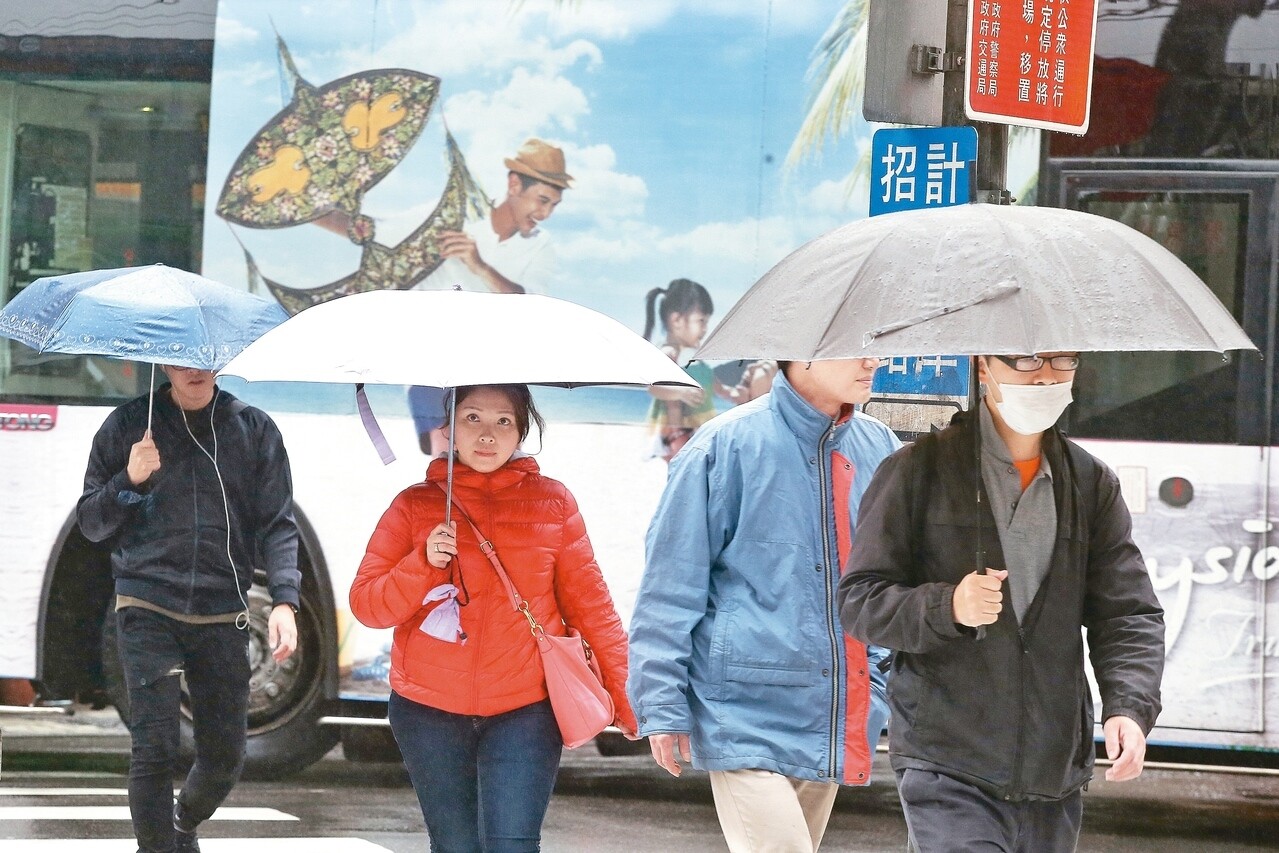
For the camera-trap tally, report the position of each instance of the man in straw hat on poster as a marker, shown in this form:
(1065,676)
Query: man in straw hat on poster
(510,253)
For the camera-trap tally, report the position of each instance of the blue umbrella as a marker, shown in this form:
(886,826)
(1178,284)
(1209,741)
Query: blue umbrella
(154,314)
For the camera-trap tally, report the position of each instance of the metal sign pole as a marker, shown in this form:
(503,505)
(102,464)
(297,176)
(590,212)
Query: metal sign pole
(992,139)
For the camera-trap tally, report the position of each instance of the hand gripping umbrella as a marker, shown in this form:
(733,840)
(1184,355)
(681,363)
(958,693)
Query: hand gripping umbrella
(155,314)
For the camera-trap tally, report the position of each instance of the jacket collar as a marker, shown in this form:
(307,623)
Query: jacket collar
(1052,449)
(516,469)
(799,415)
(219,406)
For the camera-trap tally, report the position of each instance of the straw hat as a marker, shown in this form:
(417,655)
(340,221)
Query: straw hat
(542,162)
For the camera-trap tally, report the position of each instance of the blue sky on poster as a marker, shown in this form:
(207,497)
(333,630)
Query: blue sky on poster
(675,118)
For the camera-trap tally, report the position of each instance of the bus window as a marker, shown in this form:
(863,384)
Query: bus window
(1172,396)
(105,173)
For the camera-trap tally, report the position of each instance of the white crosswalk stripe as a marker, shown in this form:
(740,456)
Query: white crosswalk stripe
(64,792)
(50,812)
(207,845)
(122,813)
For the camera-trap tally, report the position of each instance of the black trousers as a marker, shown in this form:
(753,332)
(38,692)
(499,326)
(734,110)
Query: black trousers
(945,815)
(215,659)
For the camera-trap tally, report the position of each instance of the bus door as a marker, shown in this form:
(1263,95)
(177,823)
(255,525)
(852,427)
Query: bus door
(1191,434)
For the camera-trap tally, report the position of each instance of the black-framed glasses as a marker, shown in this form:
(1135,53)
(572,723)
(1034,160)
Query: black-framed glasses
(1031,363)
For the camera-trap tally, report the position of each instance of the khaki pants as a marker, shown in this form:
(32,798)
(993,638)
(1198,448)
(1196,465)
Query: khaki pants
(765,812)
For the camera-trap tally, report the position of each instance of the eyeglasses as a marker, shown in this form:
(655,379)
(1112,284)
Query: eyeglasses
(1031,363)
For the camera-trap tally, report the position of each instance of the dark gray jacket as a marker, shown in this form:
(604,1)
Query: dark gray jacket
(169,535)
(1011,712)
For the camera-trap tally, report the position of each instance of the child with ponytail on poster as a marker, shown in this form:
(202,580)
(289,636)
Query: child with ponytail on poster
(685,310)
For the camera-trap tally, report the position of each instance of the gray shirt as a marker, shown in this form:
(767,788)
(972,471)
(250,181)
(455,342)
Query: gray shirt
(1026,521)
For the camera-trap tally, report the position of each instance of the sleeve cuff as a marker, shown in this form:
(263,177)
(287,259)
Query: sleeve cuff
(663,719)
(1138,717)
(124,492)
(285,595)
(941,616)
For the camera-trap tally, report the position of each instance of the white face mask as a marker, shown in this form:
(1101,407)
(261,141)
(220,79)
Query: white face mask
(1031,409)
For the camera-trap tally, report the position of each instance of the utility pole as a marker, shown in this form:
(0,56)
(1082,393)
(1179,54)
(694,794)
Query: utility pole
(992,139)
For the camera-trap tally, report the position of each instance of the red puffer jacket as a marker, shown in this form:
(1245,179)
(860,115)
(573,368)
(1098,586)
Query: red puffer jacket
(534,524)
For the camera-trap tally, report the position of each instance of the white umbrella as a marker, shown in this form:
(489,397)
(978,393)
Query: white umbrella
(972,280)
(451,338)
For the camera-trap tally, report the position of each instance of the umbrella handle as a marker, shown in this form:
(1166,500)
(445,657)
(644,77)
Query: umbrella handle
(151,398)
(448,503)
(981,570)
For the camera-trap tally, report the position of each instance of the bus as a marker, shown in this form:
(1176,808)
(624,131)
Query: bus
(119,127)
(1184,147)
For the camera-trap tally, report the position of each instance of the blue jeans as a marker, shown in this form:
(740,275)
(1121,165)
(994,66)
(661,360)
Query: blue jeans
(484,783)
(215,659)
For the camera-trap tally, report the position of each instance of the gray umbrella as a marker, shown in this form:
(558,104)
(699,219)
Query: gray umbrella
(971,280)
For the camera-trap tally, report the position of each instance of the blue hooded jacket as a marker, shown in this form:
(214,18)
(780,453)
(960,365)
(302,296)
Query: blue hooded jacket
(735,638)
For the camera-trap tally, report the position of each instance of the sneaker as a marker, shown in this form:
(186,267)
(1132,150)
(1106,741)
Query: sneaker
(184,839)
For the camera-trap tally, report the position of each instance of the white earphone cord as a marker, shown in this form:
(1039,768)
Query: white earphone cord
(242,620)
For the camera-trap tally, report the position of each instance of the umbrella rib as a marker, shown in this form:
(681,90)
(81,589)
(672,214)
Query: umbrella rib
(57,322)
(995,291)
(834,317)
(1024,274)
(1149,266)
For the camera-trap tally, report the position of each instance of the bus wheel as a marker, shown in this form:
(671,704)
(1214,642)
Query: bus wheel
(285,699)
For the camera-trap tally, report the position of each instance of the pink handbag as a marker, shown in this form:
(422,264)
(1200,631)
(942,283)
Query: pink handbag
(582,706)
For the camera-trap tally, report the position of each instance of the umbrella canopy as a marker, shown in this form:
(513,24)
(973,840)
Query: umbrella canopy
(971,280)
(155,314)
(451,338)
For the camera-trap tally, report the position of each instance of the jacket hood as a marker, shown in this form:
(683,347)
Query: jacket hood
(516,468)
(800,416)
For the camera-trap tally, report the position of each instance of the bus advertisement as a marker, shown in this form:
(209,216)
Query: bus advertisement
(303,151)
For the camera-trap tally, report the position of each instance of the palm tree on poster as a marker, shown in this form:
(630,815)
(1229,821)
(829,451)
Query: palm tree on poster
(838,79)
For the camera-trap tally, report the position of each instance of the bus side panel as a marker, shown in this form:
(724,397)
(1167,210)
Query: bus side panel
(33,519)
(1210,574)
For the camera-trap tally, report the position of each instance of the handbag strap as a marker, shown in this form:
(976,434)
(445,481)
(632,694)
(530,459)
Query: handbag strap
(487,549)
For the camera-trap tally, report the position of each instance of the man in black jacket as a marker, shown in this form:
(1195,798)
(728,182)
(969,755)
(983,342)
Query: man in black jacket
(192,507)
(981,552)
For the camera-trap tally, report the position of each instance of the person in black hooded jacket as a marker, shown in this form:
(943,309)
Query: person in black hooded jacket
(192,507)
(992,717)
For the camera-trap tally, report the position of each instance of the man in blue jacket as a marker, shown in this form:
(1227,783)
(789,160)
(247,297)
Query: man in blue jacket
(192,506)
(738,663)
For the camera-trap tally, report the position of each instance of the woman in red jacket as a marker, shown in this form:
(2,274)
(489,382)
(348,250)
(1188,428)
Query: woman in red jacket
(469,706)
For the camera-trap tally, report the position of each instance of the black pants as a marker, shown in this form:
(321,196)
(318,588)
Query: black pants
(215,659)
(945,815)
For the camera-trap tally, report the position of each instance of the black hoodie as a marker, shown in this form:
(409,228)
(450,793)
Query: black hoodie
(169,534)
